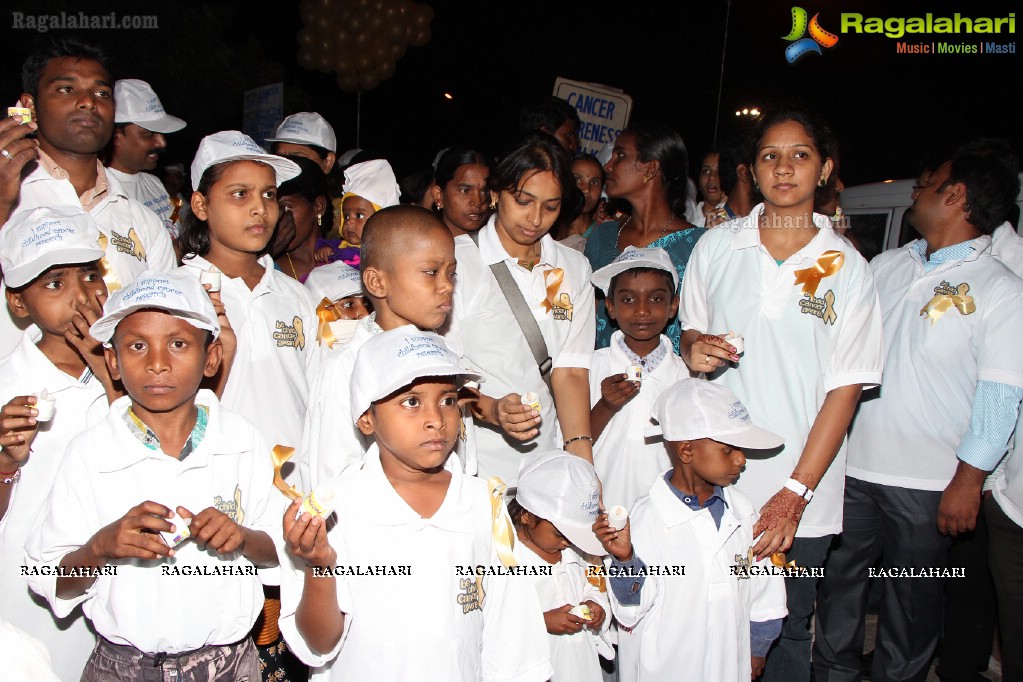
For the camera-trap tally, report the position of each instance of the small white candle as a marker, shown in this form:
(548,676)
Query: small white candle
(45,405)
(737,341)
(179,534)
(211,277)
(531,399)
(618,516)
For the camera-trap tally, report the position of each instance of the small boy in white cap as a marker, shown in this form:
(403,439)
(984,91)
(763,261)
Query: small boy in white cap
(626,378)
(50,262)
(140,123)
(340,303)
(306,134)
(556,502)
(406,584)
(692,517)
(369,186)
(167,497)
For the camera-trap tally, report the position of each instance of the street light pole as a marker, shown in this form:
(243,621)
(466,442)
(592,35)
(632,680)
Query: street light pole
(721,80)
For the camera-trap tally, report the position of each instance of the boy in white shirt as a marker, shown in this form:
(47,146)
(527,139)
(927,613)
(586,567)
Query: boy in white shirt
(693,517)
(413,535)
(168,441)
(50,260)
(641,294)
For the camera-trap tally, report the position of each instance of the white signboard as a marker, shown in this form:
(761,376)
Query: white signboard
(603,111)
(264,109)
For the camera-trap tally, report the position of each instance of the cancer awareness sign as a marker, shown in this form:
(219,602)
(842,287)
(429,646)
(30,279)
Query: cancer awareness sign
(603,111)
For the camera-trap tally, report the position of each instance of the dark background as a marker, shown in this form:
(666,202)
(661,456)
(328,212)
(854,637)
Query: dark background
(890,111)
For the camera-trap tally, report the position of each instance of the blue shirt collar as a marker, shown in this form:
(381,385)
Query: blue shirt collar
(715,504)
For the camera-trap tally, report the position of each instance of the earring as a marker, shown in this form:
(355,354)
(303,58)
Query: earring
(319,219)
(822,183)
(440,206)
(646,179)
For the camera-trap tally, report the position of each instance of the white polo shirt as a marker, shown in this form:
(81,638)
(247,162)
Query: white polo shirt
(79,405)
(698,622)
(136,239)
(626,461)
(147,189)
(908,436)
(162,605)
(483,329)
(795,351)
(432,624)
(277,353)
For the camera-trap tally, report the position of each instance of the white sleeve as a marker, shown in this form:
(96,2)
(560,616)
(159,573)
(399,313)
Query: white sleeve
(160,254)
(598,367)
(582,335)
(694,309)
(25,657)
(858,357)
(331,440)
(767,592)
(1000,330)
(646,548)
(515,646)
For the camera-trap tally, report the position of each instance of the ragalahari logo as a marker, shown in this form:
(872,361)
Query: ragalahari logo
(800,46)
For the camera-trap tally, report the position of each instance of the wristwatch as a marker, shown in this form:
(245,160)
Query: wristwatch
(799,489)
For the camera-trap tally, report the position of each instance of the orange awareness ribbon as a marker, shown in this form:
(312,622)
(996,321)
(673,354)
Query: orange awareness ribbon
(941,303)
(552,281)
(778,559)
(503,535)
(280,455)
(109,276)
(829,316)
(828,264)
(327,312)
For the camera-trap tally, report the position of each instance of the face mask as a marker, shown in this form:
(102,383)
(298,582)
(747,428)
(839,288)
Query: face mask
(343,330)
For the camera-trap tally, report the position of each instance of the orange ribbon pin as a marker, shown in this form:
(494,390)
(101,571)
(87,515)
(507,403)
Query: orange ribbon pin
(828,264)
(280,455)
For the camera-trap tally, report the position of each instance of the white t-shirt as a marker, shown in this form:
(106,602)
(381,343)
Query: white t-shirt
(626,461)
(433,623)
(136,239)
(277,352)
(79,405)
(147,189)
(171,604)
(908,435)
(25,657)
(698,622)
(484,330)
(795,351)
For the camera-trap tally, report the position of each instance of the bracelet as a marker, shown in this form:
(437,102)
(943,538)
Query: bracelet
(572,440)
(799,489)
(9,478)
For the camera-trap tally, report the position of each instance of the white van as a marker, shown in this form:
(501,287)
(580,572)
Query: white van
(877,215)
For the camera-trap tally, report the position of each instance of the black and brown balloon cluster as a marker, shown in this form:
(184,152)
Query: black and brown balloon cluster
(360,40)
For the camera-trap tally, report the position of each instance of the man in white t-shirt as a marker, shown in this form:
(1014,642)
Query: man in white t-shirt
(920,450)
(140,123)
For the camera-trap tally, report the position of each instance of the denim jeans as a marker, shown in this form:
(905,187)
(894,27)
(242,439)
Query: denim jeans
(218,663)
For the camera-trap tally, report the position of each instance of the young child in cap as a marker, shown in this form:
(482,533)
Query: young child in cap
(626,378)
(556,502)
(408,274)
(369,186)
(167,462)
(340,303)
(693,517)
(50,262)
(402,586)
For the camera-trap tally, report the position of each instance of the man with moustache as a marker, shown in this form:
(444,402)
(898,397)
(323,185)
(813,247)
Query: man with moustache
(69,91)
(140,123)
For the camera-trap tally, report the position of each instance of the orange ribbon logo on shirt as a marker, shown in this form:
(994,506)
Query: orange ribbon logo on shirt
(828,264)
(109,276)
(942,303)
(327,312)
(561,304)
(501,527)
(280,455)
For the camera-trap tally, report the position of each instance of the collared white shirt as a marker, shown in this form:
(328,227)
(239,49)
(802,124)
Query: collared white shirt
(78,406)
(796,352)
(908,435)
(147,189)
(700,622)
(432,624)
(275,323)
(108,471)
(484,330)
(136,239)
(626,461)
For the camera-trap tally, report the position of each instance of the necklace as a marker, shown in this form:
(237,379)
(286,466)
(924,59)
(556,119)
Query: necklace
(664,230)
(293,271)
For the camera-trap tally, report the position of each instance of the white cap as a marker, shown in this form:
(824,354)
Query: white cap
(631,258)
(334,281)
(231,145)
(695,408)
(346,156)
(393,359)
(176,293)
(33,241)
(308,128)
(563,489)
(373,181)
(135,102)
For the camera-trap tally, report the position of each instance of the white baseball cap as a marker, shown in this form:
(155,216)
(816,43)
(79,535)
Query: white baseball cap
(176,293)
(696,408)
(373,181)
(334,281)
(136,102)
(33,241)
(563,489)
(231,145)
(308,128)
(631,258)
(393,359)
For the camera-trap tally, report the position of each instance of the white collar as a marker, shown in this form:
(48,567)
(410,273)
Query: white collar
(493,251)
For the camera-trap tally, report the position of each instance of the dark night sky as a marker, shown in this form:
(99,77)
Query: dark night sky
(890,111)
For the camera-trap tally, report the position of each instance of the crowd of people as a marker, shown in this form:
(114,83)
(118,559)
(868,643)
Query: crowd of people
(535,416)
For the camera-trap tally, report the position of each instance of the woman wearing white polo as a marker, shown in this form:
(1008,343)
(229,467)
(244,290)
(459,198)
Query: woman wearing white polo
(805,304)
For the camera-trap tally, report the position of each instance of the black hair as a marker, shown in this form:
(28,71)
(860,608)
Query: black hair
(989,169)
(586,156)
(656,142)
(536,152)
(392,229)
(309,184)
(415,186)
(547,115)
(820,134)
(736,150)
(639,271)
(452,159)
(319,151)
(828,193)
(56,48)
(516,512)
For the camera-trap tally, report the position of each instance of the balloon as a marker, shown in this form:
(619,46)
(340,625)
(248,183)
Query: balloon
(374,22)
(363,63)
(343,62)
(422,16)
(368,81)
(404,7)
(306,60)
(348,83)
(324,45)
(342,39)
(422,38)
(322,24)
(398,51)
(381,53)
(385,69)
(307,10)
(356,24)
(396,31)
(390,11)
(306,38)
(361,42)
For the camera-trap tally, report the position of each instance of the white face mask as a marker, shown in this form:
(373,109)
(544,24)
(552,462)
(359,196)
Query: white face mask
(343,330)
